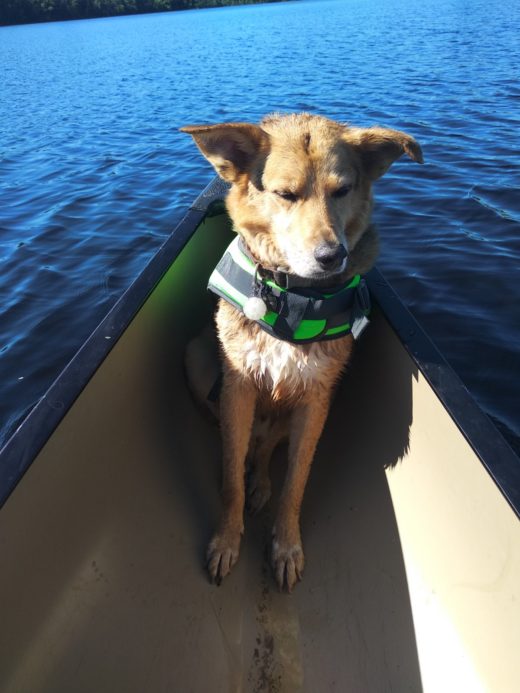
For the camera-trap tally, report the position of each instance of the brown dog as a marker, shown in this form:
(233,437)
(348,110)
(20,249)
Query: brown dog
(301,200)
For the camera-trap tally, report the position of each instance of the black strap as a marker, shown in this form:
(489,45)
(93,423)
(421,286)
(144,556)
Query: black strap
(293,308)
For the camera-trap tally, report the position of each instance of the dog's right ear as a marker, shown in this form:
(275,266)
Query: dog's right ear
(379,147)
(231,147)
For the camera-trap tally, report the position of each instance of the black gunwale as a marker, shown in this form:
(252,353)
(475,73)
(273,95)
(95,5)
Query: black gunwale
(495,453)
(24,445)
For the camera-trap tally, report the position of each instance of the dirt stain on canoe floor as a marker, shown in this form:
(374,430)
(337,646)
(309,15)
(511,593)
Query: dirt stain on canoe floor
(276,665)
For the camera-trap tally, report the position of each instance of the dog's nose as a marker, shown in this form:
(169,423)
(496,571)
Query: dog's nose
(330,257)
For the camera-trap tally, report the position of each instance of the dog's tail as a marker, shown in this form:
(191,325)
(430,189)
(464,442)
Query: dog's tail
(203,371)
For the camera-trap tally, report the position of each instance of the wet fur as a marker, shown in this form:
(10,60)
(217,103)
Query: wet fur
(274,389)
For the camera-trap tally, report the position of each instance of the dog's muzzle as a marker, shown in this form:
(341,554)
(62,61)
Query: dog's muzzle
(330,257)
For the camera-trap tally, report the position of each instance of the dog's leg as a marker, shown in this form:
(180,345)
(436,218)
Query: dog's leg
(269,433)
(237,407)
(306,427)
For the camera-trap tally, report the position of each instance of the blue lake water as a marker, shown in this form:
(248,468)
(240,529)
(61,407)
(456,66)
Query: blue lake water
(94,173)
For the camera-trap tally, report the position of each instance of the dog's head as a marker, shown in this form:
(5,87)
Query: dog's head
(301,185)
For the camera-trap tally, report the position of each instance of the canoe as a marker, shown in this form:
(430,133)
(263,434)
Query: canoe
(110,493)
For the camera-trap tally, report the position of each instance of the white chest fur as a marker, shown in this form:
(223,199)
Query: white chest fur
(277,363)
(285,370)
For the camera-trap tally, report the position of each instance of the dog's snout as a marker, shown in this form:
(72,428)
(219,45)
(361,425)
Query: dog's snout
(330,257)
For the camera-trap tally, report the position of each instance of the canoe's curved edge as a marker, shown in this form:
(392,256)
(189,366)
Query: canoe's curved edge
(496,455)
(20,450)
(214,192)
(35,429)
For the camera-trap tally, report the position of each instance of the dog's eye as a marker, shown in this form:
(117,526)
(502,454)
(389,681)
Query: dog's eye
(342,192)
(286,195)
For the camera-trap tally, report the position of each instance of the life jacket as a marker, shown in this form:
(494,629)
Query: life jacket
(297,314)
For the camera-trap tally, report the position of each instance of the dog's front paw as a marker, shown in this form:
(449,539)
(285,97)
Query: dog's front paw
(222,554)
(288,562)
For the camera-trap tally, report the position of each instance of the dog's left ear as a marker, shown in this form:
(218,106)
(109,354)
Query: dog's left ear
(231,148)
(378,148)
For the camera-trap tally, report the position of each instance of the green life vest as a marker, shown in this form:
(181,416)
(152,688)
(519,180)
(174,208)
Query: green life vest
(293,314)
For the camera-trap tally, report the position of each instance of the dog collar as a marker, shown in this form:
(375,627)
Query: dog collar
(297,314)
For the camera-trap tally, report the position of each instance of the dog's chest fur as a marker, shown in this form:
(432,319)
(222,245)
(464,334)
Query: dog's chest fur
(286,371)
